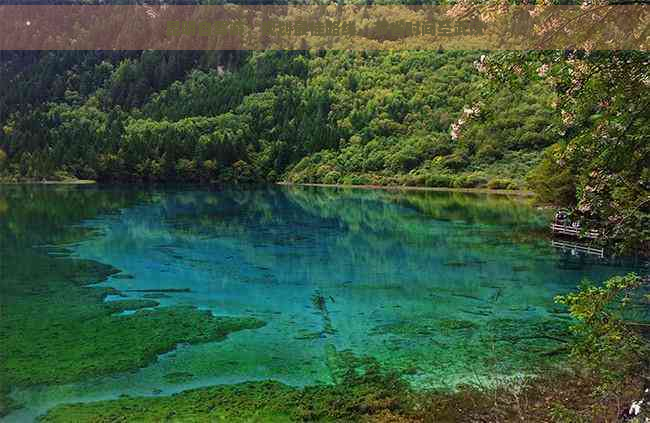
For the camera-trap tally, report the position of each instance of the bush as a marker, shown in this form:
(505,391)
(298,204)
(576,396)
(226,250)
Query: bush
(332,177)
(470,181)
(61,175)
(243,172)
(414,180)
(552,179)
(404,160)
(488,153)
(356,180)
(605,342)
(502,183)
(186,169)
(443,181)
(456,162)
(208,170)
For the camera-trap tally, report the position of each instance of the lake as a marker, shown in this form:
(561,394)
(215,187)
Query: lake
(443,288)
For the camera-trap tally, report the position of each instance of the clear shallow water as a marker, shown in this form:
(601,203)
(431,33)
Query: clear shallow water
(442,287)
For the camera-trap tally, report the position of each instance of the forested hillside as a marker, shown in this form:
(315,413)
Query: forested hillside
(330,117)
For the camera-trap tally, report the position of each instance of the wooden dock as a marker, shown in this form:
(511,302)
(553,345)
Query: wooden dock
(575,232)
(578,248)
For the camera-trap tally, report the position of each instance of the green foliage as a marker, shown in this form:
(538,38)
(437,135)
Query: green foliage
(599,163)
(355,117)
(605,342)
(503,183)
(552,180)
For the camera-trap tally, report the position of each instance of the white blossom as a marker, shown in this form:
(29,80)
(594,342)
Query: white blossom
(635,408)
(542,70)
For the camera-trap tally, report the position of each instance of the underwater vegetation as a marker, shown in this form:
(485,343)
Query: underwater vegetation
(364,391)
(362,388)
(56,329)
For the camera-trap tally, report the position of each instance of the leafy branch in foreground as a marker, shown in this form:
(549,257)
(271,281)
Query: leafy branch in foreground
(606,344)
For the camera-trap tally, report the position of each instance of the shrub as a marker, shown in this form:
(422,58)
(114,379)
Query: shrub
(470,181)
(502,183)
(356,180)
(489,153)
(439,181)
(403,160)
(414,180)
(61,175)
(186,169)
(605,342)
(456,162)
(243,172)
(552,179)
(208,169)
(332,177)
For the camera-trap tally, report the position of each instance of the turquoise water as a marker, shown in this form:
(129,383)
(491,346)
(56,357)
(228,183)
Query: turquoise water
(444,288)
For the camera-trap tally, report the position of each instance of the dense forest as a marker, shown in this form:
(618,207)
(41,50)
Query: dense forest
(329,117)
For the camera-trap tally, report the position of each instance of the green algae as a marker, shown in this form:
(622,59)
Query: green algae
(248,402)
(363,389)
(129,305)
(57,329)
(177,377)
(426,327)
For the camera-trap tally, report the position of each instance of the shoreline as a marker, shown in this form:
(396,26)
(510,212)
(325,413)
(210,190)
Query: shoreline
(520,193)
(67,182)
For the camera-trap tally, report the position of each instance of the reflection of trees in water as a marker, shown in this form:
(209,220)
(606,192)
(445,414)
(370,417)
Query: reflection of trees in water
(34,214)
(371,213)
(407,217)
(446,206)
(358,234)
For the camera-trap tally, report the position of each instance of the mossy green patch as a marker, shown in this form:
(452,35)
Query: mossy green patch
(177,377)
(426,327)
(57,330)
(134,304)
(363,390)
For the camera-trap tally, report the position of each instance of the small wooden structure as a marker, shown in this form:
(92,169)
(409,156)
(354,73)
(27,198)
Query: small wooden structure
(578,248)
(563,226)
(574,231)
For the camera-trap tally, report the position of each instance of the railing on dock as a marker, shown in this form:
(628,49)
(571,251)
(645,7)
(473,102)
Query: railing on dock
(571,231)
(573,247)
